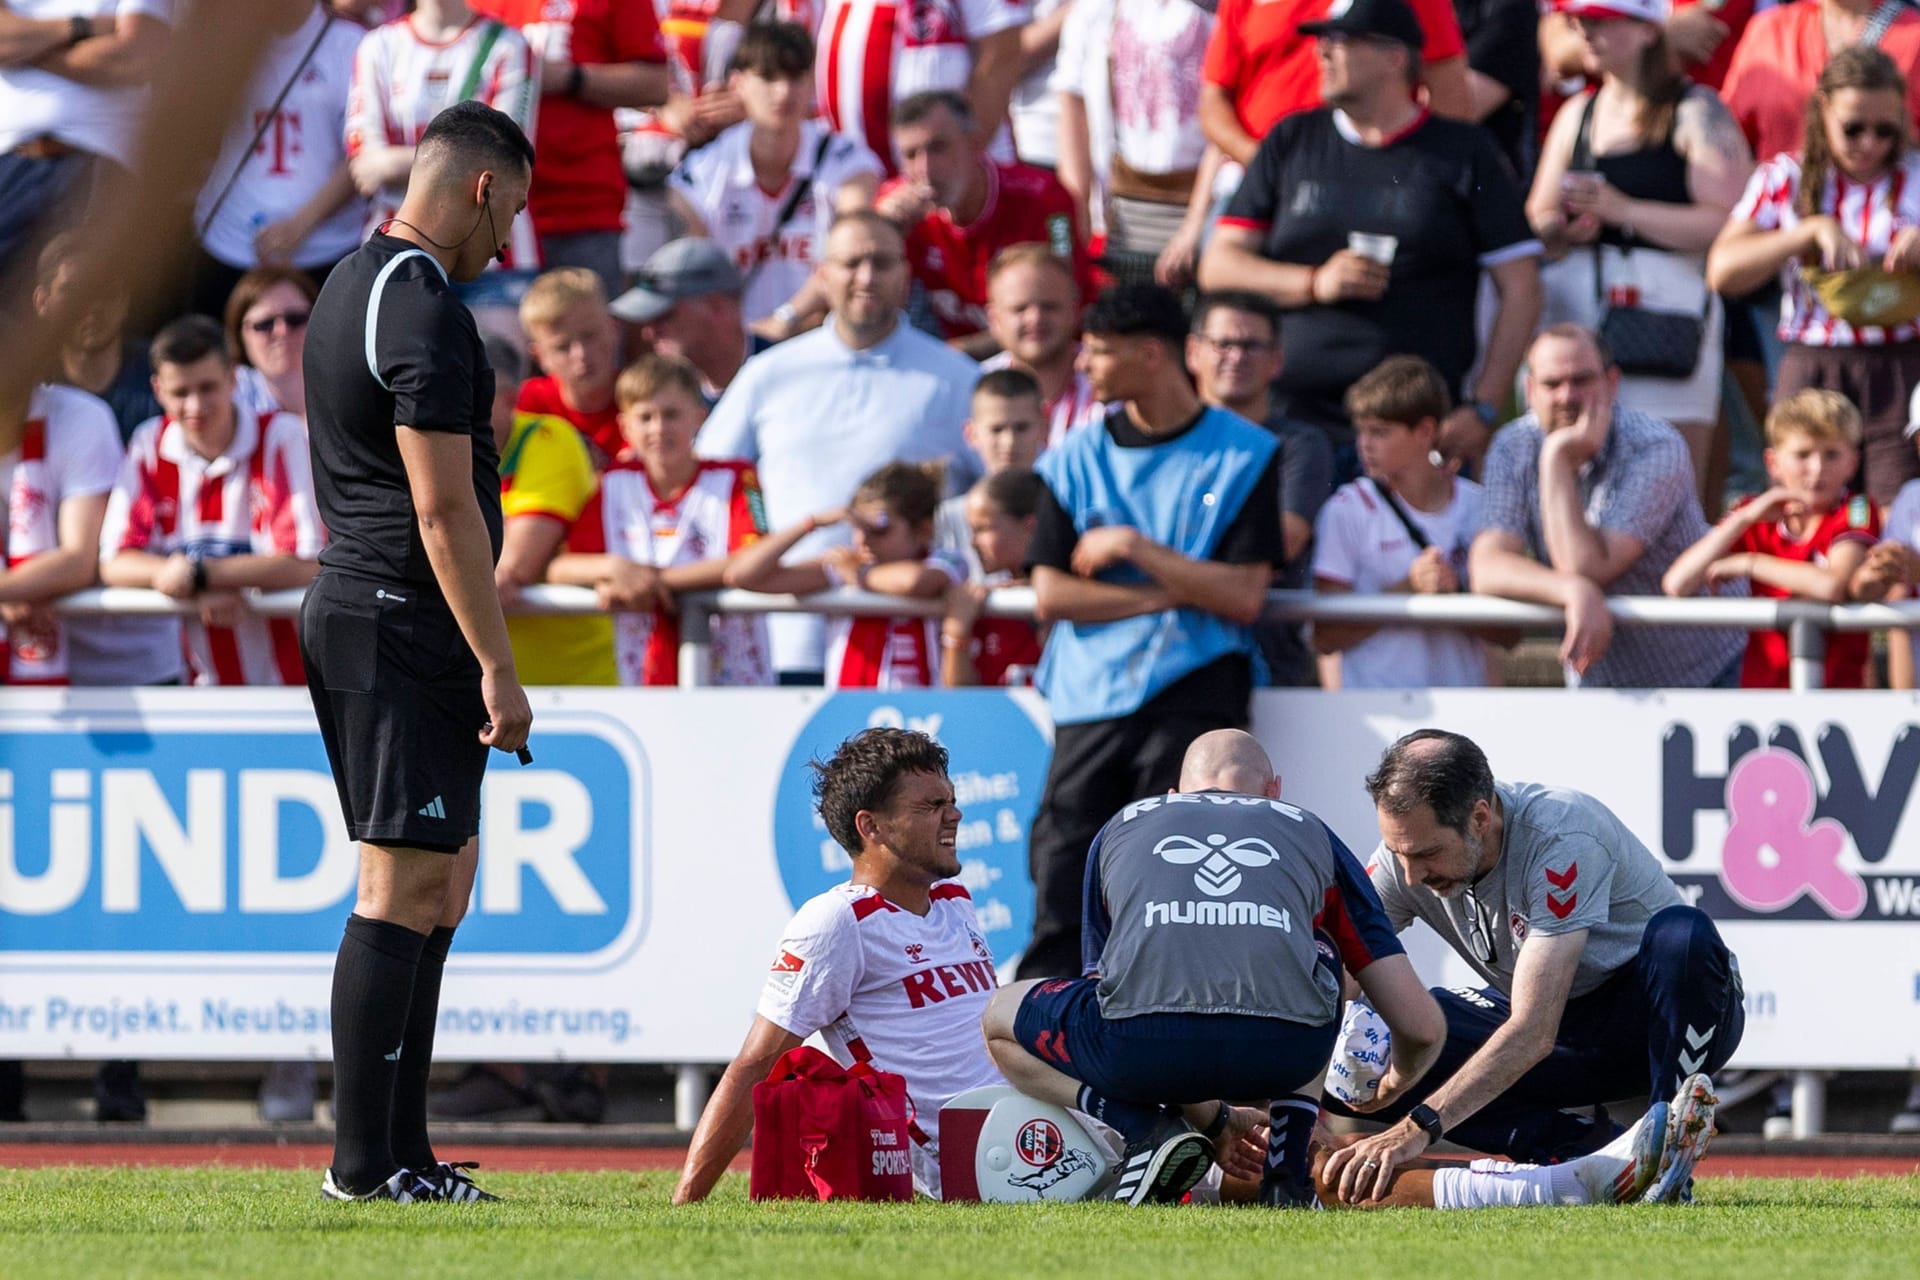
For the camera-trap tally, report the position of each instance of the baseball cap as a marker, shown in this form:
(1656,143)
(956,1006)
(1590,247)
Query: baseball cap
(686,268)
(1381,19)
(1656,11)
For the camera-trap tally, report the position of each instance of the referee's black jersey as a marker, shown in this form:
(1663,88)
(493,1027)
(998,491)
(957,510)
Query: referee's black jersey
(390,345)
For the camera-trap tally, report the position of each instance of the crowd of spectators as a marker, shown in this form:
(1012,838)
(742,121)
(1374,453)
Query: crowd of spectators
(819,294)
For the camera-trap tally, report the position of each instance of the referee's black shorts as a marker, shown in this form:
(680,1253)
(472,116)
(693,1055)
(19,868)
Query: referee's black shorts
(397,692)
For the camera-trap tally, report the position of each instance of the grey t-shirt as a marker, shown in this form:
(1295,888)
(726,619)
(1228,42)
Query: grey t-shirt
(1566,863)
(1209,900)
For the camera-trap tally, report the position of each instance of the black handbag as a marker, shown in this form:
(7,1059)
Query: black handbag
(1651,344)
(1645,343)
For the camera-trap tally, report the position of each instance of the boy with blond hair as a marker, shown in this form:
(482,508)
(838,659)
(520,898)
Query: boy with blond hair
(1806,538)
(666,522)
(1402,528)
(573,336)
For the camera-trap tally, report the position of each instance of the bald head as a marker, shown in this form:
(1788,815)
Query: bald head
(1228,760)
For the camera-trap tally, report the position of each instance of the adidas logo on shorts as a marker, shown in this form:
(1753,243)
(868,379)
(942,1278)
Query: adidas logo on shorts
(433,809)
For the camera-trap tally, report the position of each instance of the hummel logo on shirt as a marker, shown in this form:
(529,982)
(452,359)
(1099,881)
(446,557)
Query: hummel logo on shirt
(434,809)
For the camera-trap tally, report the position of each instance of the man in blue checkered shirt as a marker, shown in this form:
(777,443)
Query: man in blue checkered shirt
(1585,499)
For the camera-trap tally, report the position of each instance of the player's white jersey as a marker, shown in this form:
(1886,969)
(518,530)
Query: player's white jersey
(298,151)
(401,81)
(69,448)
(254,499)
(880,982)
(874,53)
(719,182)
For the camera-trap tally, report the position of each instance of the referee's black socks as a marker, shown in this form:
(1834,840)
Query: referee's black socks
(373,983)
(411,1146)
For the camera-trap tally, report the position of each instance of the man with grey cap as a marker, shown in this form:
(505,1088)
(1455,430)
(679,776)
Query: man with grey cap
(686,302)
(818,413)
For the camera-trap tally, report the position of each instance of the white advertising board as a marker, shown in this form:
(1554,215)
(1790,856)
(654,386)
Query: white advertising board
(174,872)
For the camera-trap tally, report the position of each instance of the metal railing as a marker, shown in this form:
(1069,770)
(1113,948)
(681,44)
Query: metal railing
(1805,622)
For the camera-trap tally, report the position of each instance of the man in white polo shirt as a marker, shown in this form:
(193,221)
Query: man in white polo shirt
(70,92)
(820,412)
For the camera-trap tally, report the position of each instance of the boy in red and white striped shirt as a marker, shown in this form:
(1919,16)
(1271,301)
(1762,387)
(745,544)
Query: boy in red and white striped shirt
(211,502)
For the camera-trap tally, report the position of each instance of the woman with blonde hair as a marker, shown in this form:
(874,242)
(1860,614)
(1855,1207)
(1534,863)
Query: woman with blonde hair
(1840,224)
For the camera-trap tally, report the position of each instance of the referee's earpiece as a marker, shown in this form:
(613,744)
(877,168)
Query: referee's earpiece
(486,202)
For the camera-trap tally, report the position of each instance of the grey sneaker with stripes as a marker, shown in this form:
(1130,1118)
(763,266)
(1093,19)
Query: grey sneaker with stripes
(1162,1167)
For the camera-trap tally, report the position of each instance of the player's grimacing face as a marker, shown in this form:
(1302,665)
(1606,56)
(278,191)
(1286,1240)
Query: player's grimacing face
(921,825)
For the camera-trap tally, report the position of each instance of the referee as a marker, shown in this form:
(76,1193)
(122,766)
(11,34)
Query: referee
(404,642)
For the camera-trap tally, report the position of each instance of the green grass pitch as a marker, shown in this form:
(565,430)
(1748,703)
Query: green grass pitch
(71,1223)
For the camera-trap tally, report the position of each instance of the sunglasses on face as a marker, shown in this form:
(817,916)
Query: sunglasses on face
(292,319)
(1881,130)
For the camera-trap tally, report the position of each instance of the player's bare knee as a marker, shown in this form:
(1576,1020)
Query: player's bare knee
(997,1022)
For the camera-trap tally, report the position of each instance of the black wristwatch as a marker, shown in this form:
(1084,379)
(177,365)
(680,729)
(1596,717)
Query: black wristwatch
(78,28)
(1429,1121)
(199,573)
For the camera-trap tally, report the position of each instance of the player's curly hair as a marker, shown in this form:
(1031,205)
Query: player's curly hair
(1450,778)
(865,772)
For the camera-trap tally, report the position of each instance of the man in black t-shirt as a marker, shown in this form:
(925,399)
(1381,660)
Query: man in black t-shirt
(405,646)
(1154,540)
(1369,222)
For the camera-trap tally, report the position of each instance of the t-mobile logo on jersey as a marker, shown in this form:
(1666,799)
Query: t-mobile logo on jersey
(280,142)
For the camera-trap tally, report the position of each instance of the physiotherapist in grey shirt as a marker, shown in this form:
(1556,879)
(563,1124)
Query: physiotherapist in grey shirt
(1600,983)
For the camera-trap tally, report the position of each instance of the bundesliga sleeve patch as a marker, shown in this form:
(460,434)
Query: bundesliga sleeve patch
(784,974)
(1859,512)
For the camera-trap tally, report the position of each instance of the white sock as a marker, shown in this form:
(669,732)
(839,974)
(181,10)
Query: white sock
(1487,1183)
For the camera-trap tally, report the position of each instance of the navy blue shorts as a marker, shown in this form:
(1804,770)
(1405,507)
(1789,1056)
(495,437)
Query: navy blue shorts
(1169,1057)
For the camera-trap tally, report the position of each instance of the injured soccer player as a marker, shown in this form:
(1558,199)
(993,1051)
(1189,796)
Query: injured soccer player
(1663,1146)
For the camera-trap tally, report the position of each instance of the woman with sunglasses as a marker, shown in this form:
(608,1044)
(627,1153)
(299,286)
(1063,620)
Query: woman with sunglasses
(266,319)
(1635,178)
(1840,225)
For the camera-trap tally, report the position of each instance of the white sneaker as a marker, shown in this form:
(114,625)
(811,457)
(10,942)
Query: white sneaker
(404,1187)
(1621,1171)
(1689,1130)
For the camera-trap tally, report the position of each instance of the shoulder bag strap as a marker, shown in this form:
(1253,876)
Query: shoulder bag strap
(1420,539)
(1880,22)
(771,240)
(266,121)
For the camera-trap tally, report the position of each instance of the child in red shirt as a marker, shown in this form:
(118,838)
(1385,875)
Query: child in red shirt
(1805,538)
